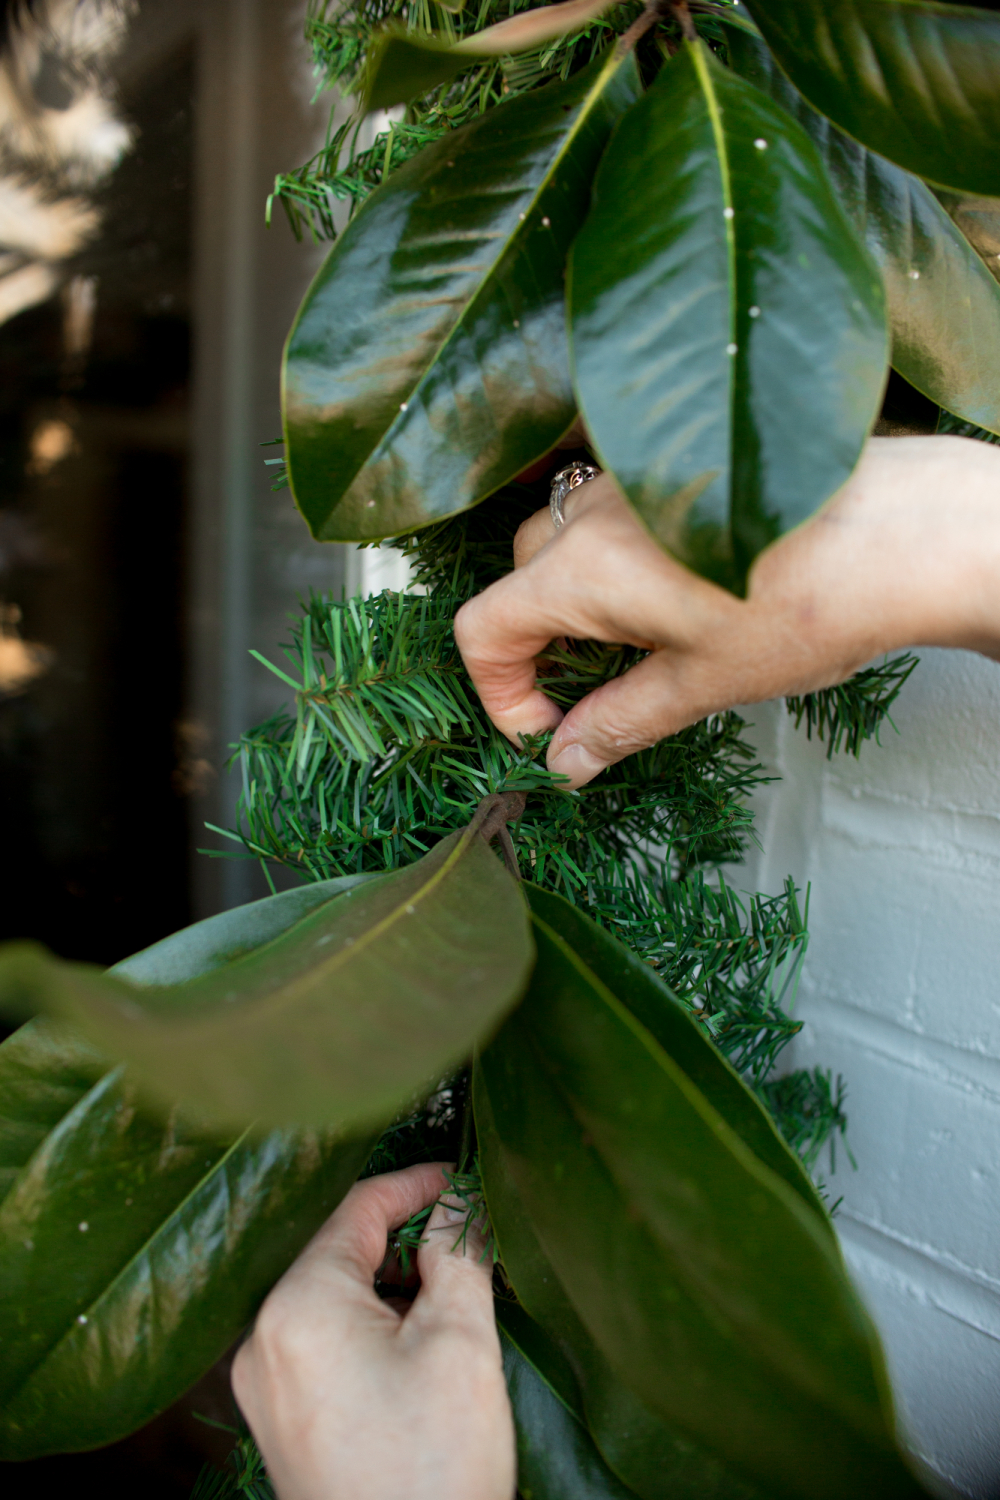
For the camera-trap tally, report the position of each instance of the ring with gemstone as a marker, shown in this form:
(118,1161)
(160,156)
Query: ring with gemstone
(562,483)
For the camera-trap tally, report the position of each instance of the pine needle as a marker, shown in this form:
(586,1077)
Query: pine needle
(853,711)
(340,35)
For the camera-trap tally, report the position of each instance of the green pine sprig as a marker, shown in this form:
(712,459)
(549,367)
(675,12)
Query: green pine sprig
(244,1476)
(853,711)
(388,750)
(340,36)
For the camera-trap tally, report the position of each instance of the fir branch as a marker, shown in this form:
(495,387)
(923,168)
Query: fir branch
(430,1133)
(949,423)
(340,35)
(733,965)
(853,711)
(466,553)
(244,1475)
(389,750)
(281,477)
(467,1187)
(809,1111)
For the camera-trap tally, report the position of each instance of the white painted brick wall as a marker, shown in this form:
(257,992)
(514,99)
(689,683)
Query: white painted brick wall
(901,994)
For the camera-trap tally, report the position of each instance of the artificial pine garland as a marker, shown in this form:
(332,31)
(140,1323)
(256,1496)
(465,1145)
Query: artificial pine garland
(388,750)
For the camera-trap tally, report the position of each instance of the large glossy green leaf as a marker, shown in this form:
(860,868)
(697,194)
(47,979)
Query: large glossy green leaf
(133,1252)
(979,221)
(728,329)
(214,943)
(45,1068)
(652,1458)
(556,1456)
(704,1279)
(44,1071)
(917,82)
(943,305)
(339,1020)
(428,364)
(652,1003)
(404,63)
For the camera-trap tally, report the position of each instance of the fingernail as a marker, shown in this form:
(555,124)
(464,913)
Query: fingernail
(576,763)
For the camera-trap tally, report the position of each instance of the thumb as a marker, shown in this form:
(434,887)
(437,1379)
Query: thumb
(630,713)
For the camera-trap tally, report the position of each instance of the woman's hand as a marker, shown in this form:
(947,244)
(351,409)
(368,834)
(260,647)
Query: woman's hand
(351,1399)
(906,553)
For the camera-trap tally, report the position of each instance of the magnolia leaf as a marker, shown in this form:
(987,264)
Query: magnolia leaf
(44,1071)
(705,1281)
(556,1456)
(365,1000)
(524,32)
(404,63)
(45,1068)
(216,941)
(428,364)
(133,1252)
(979,221)
(728,327)
(655,1005)
(651,1458)
(943,305)
(918,83)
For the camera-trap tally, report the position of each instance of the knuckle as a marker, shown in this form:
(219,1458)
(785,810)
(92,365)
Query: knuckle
(242,1373)
(530,536)
(268,1327)
(278,1337)
(616,736)
(467,626)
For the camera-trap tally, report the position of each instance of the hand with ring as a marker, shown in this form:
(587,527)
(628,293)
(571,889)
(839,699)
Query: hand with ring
(907,553)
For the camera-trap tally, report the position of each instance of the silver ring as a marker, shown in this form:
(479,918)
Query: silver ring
(562,483)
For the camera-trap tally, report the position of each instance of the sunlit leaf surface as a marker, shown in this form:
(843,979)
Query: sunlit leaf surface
(917,82)
(943,303)
(428,364)
(728,328)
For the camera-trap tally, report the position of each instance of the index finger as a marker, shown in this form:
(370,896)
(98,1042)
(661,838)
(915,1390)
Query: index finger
(499,633)
(355,1234)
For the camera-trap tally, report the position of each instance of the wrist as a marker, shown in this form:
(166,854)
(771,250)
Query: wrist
(906,553)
